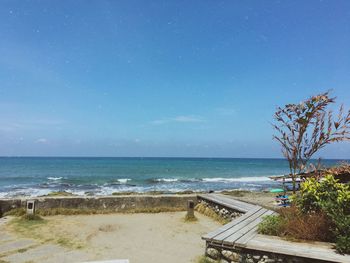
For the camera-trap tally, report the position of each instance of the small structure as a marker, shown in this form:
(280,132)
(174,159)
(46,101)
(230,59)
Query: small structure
(30,208)
(190,209)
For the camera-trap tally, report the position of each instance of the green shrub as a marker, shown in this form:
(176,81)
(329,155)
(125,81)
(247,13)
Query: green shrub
(343,244)
(327,195)
(271,225)
(321,212)
(333,199)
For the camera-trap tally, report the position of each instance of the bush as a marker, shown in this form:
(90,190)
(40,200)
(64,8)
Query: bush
(293,224)
(327,195)
(271,225)
(343,244)
(322,213)
(314,226)
(333,199)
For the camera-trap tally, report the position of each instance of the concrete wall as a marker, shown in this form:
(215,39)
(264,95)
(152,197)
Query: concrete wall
(116,203)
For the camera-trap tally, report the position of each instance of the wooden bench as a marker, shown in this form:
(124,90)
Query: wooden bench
(240,230)
(241,233)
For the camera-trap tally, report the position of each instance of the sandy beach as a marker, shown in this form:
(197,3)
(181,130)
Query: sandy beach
(163,237)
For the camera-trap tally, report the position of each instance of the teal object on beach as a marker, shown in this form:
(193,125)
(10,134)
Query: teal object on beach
(276,190)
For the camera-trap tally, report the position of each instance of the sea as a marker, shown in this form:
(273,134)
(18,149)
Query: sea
(38,176)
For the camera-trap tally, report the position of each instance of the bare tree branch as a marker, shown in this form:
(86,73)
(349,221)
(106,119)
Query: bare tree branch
(303,129)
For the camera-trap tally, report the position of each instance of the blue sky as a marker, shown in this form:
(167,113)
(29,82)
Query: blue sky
(164,78)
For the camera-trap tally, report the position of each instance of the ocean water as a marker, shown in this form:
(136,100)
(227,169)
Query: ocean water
(35,176)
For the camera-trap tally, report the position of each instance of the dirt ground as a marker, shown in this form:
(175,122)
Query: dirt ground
(163,237)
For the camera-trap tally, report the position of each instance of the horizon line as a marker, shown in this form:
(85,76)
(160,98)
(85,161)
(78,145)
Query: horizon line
(160,157)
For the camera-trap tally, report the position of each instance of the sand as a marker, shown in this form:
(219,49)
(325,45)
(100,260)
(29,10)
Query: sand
(163,237)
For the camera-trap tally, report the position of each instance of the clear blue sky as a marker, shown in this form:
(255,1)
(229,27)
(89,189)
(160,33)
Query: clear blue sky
(164,78)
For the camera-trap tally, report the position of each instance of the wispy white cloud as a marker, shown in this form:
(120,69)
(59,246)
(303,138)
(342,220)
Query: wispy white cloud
(42,140)
(179,119)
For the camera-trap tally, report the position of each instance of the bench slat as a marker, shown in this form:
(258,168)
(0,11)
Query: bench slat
(231,224)
(253,231)
(249,224)
(228,202)
(221,237)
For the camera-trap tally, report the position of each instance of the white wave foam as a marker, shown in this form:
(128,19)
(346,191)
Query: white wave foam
(167,180)
(54,178)
(241,179)
(29,192)
(123,180)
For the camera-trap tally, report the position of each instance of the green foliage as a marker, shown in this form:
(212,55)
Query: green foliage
(343,244)
(271,225)
(332,198)
(31,217)
(16,212)
(91,211)
(327,195)
(60,193)
(321,213)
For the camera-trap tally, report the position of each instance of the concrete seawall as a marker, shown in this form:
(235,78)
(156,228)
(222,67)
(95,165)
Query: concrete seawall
(117,203)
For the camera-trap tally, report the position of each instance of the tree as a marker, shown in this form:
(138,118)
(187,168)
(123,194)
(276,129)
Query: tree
(302,129)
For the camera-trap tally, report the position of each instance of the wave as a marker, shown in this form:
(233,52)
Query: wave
(212,179)
(54,178)
(123,180)
(166,180)
(240,179)
(171,180)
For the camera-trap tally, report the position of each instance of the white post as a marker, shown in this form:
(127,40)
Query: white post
(30,207)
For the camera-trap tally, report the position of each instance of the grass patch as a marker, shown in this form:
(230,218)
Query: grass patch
(190,219)
(60,193)
(19,212)
(16,212)
(26,227)
(271,225)
(207,211)
(31,217)
(40,229)
(124,193)
(67,242)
